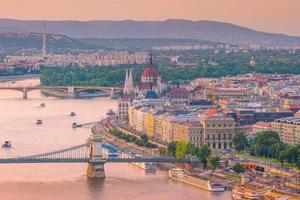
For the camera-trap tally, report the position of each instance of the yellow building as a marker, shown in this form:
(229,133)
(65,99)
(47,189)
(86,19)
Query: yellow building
(188,131)
(149,124)
(288,129)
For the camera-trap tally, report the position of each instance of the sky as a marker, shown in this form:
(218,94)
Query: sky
(278,16)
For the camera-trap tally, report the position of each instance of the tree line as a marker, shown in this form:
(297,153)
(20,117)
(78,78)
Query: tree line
(267,144)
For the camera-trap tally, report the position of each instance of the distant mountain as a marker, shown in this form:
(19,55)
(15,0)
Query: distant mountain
(180,29)
(34,40)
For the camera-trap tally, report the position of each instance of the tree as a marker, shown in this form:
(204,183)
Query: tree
(263,141)
(238,168)
(191,149)
(203,153)
(240,142)
(181,149)
(292,153)
(144,138)
(172,148)
(214,162)
(281,157)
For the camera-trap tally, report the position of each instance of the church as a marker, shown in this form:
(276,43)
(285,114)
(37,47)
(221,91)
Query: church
(150,83)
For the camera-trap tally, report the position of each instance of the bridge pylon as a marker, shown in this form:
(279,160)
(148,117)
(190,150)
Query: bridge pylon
(25,91)
(96,161)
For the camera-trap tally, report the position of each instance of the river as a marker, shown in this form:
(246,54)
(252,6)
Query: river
(68,181)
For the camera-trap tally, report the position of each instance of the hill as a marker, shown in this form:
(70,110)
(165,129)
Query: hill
(180,29)
(34,40)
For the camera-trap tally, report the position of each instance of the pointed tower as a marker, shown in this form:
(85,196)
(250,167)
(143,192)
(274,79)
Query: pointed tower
(151,59)
(130,83)
(125,89)
(44,49)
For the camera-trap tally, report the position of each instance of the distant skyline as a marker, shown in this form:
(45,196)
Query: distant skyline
(275,16)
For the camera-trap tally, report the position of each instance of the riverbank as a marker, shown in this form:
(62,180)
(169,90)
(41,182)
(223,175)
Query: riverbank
(19,77)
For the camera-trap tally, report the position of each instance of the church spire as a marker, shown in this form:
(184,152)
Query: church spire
(125,89)
(130,82)
(151,58)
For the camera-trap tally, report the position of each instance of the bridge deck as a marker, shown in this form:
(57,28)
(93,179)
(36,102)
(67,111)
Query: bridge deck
(86,160)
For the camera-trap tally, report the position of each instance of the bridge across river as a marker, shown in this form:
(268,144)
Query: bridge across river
(91,153)
(69,91)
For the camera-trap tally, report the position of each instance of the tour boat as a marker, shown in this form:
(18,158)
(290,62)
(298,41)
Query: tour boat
(7,144)
(146,166)
(210,185)
(39,122)
(72,114)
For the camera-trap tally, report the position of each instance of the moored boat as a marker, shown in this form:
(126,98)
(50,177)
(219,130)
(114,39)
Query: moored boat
(210,185)
(241,193)
(6,144)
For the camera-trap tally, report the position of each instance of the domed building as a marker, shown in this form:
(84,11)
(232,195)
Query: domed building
(150,80)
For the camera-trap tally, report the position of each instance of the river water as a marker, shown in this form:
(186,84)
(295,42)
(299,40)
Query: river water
(68,181)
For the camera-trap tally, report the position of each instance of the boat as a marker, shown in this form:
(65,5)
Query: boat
(148,167)
(42,105)
(72,114)
(7,144)
(39,122)
(242,193)
(110,112)
(206,184)
(75,125)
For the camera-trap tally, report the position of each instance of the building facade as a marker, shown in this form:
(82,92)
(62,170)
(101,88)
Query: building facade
(218,131)
(288,130)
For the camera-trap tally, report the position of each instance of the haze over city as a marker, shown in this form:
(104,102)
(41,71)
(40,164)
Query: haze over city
(267,15)
(150,100)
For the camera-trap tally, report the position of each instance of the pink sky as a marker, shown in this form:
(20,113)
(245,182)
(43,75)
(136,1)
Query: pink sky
(280,16)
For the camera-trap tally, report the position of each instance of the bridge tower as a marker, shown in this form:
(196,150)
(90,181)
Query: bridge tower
(96,161)
(112,93)
(25,91)
(71,91)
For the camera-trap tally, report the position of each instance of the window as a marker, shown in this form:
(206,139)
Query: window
(224,125)
(214,125)
(224,136)
(219,125)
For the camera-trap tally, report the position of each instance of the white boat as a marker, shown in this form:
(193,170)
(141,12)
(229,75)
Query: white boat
(210,185)
(148,167)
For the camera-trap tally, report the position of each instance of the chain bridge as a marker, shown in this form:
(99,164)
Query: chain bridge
(91,153)
(70,91)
